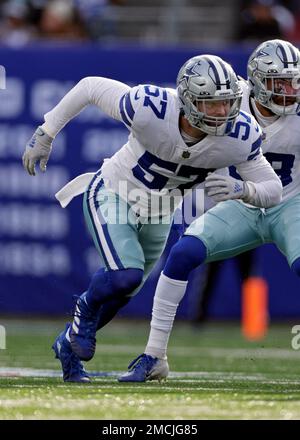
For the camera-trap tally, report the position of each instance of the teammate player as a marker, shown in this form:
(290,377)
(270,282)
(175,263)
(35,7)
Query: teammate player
(176,139)
(272,95)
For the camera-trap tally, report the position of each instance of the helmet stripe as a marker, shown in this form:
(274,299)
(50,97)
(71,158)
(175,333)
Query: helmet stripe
(294,54)
(284,55)
(288,53)
(225,74)
(217,77)
(220,73)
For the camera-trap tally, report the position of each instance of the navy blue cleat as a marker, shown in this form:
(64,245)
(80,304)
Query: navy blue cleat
(144,368)
(73,370)
(83,330)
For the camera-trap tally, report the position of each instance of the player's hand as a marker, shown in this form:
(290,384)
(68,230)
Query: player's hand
(222,188)
(38,149)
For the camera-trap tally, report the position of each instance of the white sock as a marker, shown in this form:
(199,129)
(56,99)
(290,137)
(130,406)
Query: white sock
(167,296)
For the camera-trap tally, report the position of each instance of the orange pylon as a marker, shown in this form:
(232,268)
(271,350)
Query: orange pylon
(254,308)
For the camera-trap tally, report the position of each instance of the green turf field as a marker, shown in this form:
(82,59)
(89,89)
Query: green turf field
(216,374)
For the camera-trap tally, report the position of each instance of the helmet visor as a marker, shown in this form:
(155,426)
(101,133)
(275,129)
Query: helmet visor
(285,91)
(217,112)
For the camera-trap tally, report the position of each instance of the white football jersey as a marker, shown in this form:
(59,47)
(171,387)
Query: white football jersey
(156,159)
(280,146)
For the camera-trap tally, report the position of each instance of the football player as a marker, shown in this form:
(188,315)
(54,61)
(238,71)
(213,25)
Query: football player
(177,138)
(272,96)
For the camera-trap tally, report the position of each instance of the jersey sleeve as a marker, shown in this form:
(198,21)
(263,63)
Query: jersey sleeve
(105,93)
(263,187)
(143,105)
(255,137)
(128,106)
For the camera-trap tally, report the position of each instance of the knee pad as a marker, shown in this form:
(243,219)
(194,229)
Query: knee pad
(185,256)
(109,284)
(296,267)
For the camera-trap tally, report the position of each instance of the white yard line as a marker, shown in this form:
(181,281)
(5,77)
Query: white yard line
(184,377)
(237,353)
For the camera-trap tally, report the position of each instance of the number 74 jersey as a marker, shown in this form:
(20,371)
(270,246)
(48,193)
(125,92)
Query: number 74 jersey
(156,161)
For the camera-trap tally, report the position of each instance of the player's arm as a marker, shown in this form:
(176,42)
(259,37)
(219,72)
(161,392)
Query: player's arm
(260,187)
(102,92)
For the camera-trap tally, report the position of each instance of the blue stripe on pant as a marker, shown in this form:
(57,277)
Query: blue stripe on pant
(99,226)
(122,243)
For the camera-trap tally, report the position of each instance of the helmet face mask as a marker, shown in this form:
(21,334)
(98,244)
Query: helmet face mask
(208,118)
(285,98)
(209,94)
(274,76)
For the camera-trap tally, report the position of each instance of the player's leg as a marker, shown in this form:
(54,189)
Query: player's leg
(73,370)
(122,271)
(223,232)
(114,230)
(152,239)
(284,224)
(107,282)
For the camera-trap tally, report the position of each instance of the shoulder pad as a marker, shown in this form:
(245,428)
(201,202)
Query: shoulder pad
(143,103)
(247,131)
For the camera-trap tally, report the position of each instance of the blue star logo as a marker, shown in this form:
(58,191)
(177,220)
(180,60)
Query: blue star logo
(261,53)
(190,70)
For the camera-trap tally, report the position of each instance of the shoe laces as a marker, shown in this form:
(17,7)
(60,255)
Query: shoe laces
(140,362)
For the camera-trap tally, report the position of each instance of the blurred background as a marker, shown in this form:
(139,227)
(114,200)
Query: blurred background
(46,46)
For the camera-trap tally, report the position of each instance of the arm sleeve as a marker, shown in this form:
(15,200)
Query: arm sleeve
(262,185)
(103,92)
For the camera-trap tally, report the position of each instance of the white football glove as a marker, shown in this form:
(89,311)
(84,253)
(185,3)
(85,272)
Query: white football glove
(221,188)
(38,149)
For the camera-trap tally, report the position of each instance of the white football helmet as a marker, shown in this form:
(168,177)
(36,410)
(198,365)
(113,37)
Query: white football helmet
(202,81)
(274,76)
